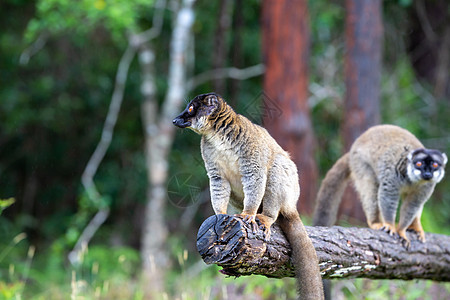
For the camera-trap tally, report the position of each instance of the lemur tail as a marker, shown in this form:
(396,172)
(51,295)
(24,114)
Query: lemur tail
(330,192)
(304,258)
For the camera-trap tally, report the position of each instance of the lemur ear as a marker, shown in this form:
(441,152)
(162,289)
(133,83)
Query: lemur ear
(445,158)
(410,155)
(212,100)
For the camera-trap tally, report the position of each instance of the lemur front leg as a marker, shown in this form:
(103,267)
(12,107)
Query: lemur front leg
(220,190)
(254,185)
(410,213)
(388,198)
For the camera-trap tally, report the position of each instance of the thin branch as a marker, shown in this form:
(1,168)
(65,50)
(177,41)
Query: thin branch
(155,30)
(319,93)
(235,73)
(108,127)
(34,48)
(158,18)
(87,178)
(424,21)
(95,223)
(177,78)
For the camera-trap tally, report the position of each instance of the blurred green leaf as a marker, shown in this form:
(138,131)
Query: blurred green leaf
(4,203)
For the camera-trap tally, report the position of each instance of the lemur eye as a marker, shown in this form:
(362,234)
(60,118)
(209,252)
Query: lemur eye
(435,165)
(190,109)
(418,164)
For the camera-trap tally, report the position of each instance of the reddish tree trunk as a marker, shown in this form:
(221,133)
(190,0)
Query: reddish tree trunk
(362,72)
(286,52)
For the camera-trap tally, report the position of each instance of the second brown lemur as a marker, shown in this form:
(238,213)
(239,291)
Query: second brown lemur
(385,163)
(250,171)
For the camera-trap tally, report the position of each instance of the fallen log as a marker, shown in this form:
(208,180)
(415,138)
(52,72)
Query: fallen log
(343,252)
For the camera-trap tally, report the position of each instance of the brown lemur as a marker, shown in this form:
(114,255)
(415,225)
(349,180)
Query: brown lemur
(250,171)
(385,163)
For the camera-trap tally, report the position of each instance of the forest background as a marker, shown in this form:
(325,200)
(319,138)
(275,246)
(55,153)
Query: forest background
(102,197)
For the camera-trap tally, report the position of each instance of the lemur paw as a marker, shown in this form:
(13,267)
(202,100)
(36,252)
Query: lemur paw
(421,236)
(405,241)
(419,232)
(389,228)
(376,225)
(250,220)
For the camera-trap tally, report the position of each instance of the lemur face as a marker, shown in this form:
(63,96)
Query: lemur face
(196,114)
(426,164)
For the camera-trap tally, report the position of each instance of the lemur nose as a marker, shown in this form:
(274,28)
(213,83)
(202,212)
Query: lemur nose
(427,176)
(176,121)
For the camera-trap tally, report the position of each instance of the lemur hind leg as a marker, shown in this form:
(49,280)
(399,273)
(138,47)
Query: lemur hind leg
(365,183)
(270,210)
(282,191)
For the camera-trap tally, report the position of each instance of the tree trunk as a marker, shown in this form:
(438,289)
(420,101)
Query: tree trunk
(154,233)
(286,53)
(362,78)
(159,135)
(343,252)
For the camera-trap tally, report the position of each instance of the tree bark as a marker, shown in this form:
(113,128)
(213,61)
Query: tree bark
(159,136)
(343,252)
(363,31)
(285,41)
(155,258)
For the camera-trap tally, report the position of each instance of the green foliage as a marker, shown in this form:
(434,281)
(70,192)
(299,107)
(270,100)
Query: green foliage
(405,3)
(99,262)
(59,16)
(394,289)
(4,203)
(7,251)
(10,290)
(401,105)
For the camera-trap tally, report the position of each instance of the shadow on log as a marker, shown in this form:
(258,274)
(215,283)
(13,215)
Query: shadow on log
(343,252)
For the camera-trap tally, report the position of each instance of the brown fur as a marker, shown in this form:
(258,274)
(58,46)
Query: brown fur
(380,165)
(251,172)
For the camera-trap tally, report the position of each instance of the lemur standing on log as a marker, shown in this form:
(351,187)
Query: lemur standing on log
(385,163)
(248,169)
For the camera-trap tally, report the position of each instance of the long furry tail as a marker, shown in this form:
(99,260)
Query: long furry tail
(304,258)
(330,192)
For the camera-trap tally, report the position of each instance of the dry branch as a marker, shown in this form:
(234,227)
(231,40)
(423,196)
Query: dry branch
(87,178)
(234,73)
(343,252)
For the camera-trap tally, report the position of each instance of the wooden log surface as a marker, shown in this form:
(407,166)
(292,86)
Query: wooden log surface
(343,252)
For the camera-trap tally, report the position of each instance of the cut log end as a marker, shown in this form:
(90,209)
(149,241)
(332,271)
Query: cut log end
(343,252)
